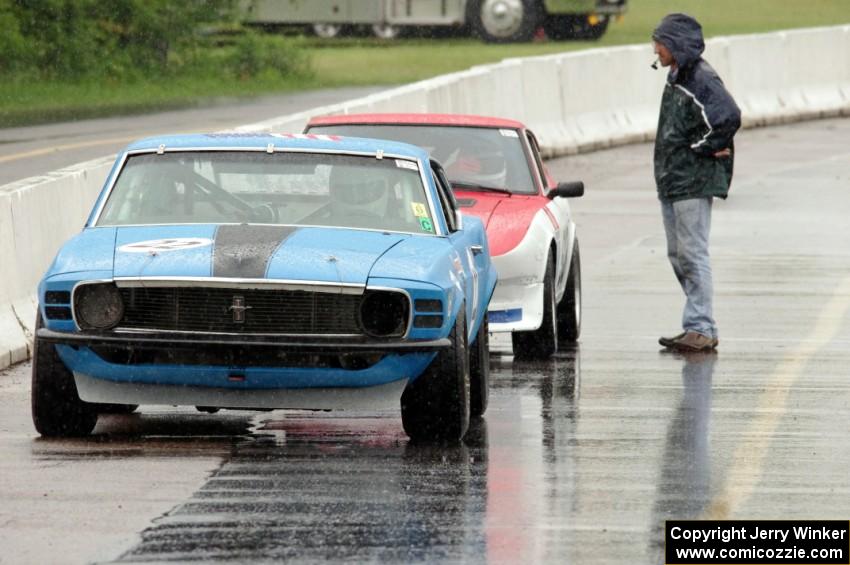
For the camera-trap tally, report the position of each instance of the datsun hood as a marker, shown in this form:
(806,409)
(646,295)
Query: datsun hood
(250,252)
(506,218)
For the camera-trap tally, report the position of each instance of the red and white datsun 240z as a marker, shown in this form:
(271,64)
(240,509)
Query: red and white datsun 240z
(496,172)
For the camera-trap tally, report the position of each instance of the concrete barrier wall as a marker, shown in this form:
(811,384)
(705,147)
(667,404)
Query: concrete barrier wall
(587,100)
(36,216)
(575,102)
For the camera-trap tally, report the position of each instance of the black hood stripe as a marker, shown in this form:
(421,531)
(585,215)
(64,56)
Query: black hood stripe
(244,251)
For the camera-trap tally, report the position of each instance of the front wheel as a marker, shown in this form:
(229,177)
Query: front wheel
(57,410)
(541,343)
(569,309)
(435,406)
(479,370)
(115,408)
(504,21)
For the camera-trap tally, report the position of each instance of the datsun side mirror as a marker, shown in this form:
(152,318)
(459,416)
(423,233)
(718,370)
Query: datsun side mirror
(567,190)
(459,220)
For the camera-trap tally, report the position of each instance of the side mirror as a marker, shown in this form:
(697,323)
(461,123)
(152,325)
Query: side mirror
(459,220)
(567,190)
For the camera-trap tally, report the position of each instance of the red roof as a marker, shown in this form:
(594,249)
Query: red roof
(417,119)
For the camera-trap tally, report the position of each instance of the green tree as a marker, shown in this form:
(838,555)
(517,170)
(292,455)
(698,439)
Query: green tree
(77,38)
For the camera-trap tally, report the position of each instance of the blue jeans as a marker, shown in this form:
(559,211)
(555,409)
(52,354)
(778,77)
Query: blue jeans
(687,224)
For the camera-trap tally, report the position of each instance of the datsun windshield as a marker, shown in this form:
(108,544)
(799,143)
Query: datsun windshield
(308,189)
(488,157)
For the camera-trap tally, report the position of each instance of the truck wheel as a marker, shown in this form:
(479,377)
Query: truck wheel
(479,370)
(560,27)
(504,21)
(435,406)
(330,31)
(569,309)
(541,343)
(57,410)
(387,31)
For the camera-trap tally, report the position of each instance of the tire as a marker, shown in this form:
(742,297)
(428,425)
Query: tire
(57,410)
(435,406)
(560,27)
(541,343)
(479,370)
(330,31)
(569,309)
(504,21)
(387,32)
(115,408)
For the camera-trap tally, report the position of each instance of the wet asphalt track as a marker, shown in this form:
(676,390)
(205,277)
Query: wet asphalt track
(578,460)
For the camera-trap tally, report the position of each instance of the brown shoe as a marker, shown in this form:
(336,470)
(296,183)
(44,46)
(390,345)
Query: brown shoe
(668,341)
(693,341)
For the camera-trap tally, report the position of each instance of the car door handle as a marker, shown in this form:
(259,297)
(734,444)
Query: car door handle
(476,249)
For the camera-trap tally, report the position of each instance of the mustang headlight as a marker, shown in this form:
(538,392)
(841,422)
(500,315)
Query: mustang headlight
(98,306)
(384,313)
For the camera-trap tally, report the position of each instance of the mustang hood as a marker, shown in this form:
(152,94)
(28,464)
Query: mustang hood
(250,252)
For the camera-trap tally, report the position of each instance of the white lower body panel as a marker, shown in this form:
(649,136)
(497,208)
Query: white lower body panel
(516,308)
(379,397)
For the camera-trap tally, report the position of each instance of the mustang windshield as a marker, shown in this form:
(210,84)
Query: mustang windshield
(279,188)
(472,156)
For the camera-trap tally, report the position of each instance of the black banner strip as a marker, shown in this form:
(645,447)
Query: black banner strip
(244,251)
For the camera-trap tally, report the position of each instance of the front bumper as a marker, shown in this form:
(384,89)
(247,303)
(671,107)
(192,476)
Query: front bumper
(295,344)
(238,371)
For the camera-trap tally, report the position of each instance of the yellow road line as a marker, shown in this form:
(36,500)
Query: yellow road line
(66,147)
(745,470)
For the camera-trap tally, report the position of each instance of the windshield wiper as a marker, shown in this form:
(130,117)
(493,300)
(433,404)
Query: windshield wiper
(481,187)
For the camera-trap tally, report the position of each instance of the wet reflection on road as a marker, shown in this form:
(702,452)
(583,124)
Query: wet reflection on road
(524,484)
(684,484)
(326,487)
(315,492)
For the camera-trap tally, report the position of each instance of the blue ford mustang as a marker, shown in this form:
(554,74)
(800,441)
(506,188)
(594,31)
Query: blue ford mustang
(254,271)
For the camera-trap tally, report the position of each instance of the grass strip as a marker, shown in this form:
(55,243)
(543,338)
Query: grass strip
(367,61)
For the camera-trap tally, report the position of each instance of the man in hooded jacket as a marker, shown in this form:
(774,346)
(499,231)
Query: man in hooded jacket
(693,165)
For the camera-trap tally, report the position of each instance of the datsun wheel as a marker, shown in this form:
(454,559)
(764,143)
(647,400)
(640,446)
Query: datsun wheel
(435,406)
(569,309)
(57,410)
(479,370)
(541,343)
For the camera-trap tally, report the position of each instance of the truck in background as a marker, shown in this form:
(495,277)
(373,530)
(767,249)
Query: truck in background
(498,21)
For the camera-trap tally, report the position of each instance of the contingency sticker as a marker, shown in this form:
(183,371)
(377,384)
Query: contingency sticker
(162,245)
(419,210)
(402,164)
(426,225)
(508,133)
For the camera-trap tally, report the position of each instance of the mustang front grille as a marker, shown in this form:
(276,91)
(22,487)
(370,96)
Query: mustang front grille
(233,310)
